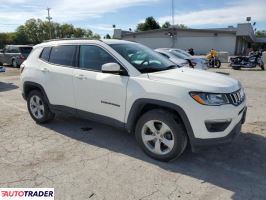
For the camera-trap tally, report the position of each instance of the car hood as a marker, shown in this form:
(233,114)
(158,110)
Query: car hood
(197,80)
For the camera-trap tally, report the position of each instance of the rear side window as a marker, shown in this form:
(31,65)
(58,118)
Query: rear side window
(25,50)
(45,53)
(63,55)
(93,57)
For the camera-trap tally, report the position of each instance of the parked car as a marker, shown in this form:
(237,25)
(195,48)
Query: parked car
(184,52)
(14,54)
(204,61)
(179,61)
(194,62)
(130,86)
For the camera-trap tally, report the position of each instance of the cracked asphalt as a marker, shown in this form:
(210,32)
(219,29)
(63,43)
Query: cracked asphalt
(86,160)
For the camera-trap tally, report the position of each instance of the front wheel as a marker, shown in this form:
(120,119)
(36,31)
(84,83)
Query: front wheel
(160,135)
(38,107)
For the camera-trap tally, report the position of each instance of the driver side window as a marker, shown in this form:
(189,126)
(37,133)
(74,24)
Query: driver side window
(93,57)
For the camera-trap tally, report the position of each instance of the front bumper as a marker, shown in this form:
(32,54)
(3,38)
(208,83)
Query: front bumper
(197,143)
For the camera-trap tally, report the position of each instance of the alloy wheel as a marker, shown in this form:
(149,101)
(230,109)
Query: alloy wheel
(157,137)
(37,107)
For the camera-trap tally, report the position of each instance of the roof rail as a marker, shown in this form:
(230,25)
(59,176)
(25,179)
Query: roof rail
(60,39)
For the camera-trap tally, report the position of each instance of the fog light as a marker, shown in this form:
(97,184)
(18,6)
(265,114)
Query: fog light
(217,125)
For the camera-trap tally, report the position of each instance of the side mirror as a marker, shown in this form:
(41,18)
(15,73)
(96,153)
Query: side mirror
(112,68)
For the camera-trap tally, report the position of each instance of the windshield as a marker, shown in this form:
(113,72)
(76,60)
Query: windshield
(143,58)
(178,54)
(25,50)
(183,52)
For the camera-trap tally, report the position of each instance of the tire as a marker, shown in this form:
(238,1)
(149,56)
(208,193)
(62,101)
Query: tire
(14,63)
(218,63)
(174,135)
(262,67)
(38,107)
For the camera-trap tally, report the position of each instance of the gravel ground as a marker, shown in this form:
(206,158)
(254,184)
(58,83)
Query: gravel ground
(86,160)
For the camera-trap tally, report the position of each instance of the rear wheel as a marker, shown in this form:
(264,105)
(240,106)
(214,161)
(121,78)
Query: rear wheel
(262,67)
(38,107)
(218,63)
(14,63)
(160,136)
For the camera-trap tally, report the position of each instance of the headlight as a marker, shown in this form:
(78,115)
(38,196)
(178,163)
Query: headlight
(210,99)
(242,93)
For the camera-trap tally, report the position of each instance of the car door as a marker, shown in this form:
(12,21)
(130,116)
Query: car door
(2,60)
(99,94)
(5,55)
(57,75)
(14,54)
(11,51)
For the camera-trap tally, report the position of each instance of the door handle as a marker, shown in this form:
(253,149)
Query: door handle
(80,76)
(44,69)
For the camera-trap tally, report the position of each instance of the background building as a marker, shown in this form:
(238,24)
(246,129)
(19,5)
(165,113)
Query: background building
(234,40)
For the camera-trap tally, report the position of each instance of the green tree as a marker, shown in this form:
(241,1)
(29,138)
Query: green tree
(166,25)
(182,26)
(107,36)
(149,24)
(35,31)
(261,33)
(21,36)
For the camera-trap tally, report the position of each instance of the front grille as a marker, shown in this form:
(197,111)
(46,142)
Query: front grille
(236,98)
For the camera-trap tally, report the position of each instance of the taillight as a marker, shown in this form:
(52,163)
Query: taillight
(22,66)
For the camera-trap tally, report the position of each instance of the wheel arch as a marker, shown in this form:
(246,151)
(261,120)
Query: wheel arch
(30,86)
(141,106)
(12,59)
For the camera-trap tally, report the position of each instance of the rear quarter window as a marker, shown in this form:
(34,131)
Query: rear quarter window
(25,50)
(45,53)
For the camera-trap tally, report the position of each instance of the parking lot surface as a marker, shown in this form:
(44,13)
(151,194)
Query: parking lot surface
(87,160)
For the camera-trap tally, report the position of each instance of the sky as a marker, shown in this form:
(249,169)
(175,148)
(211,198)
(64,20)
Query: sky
(100,15)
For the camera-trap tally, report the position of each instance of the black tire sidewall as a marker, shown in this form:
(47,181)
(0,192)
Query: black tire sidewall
(180,137)
(218,63)
(47,113)
(14,61)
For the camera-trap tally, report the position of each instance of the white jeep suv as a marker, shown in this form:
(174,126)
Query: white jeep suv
(128,85)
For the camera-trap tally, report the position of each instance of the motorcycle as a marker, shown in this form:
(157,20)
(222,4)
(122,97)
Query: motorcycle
(251,61)
(214,62)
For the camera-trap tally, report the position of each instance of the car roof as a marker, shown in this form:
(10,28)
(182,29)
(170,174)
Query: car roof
(81,41)
(162,50)
(11,45)
(165,49)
